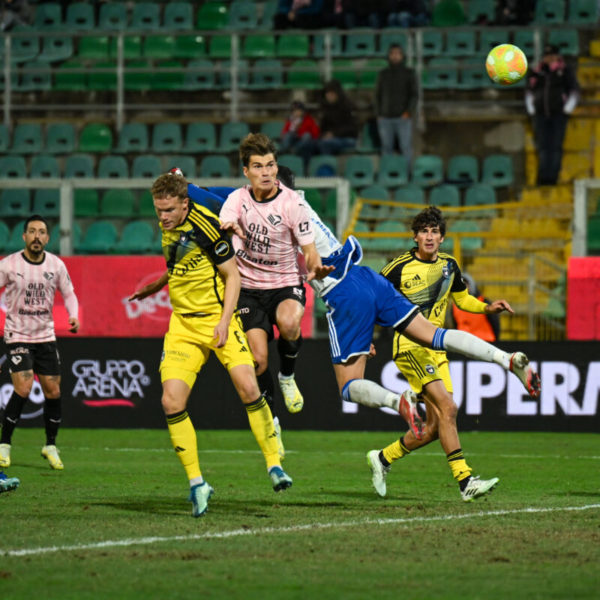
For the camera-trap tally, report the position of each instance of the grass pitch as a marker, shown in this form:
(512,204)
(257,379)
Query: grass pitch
(116,522)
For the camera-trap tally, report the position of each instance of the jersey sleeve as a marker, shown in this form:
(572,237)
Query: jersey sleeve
(393,273)
(458,285)
(3,272)
(230,211)
(301,223)
(210,237)
(65,286)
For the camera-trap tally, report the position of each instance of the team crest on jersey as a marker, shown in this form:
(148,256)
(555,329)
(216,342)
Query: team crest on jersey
(274,220)
(429,369)
(49,275)
(445,272)
(222,248)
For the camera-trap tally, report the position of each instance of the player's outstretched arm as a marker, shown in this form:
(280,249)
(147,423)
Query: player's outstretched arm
(316,270)
(233,227)
(497,306)
(151,288)
(74,325)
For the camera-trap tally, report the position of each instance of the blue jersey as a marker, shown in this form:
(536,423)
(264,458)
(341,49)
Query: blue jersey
(212,198)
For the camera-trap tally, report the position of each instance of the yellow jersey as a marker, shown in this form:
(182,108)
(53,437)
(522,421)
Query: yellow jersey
(192,251)
(427,284)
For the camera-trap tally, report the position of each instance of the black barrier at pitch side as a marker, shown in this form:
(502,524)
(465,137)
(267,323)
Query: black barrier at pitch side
(111,382)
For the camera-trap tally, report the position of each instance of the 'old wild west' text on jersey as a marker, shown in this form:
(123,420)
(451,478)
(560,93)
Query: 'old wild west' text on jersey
(192,251)
(426,284)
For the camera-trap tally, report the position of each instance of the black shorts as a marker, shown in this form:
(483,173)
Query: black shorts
(257,308)
(42,359)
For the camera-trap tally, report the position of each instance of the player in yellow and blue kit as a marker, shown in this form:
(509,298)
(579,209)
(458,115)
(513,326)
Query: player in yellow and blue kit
(204,285)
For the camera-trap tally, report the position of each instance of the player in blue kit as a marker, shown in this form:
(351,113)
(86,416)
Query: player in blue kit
(7,484)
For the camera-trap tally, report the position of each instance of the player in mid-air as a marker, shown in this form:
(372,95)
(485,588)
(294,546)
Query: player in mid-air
(428,277)
(31,278)
(204,285)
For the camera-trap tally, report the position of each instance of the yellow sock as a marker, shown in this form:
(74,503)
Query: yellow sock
(183,438)
(395,451)
(457,463)
(261,423)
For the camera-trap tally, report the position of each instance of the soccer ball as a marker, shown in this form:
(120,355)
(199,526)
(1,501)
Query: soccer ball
(506,64)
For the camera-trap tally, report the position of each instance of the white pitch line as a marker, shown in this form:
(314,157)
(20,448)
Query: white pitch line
(278,530)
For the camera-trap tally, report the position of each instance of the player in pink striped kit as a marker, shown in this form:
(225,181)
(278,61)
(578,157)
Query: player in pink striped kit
(272,223)
(31,278)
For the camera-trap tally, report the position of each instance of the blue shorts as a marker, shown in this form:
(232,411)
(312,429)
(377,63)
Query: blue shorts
(360,301)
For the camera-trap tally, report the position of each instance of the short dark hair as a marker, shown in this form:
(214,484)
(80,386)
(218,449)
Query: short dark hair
(35,218)
(391,46)
(256,144)
(429,217)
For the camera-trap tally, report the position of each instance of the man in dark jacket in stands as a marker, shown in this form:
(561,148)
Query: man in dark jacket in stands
(552,94)
(339,128)
(395,103)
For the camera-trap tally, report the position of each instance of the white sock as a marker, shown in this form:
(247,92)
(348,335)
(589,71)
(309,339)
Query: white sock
(196,481)
(465,343)
(285,377)
(369,393)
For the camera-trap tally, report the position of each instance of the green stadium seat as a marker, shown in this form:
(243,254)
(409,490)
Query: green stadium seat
(46,203)
(583,12)
(178,16)
(359,171)
(269,10)
(212,15)
(113,16)
(4,235)
(190,46)
(388,38)
(70,76)
(322,165)
(100,238)
(295,45)
(293,162)
(273,129)
(4,138)
(491,37)
(473,75)
(480,193)
(367,76)
(224,74)
(13,167)
(393,170)
(549,12)
(448,14)
(460,43)
(231,135)
(463,169)
(481,12)
(137,237)
(185,162)
(103,76)
(15,239)
(166,137)
(410,194)
(118,203)
(15,203)
(433,43)
(304,74)
(27,139)
(215,166)
(22,49)
(440,73)
(199,75)
(95,137)
(14,82)
(168,75)
(497,170)
(467,225)
(220,47)
(368,140)
(428,170)
(145,16)
(331,205)
(113,167)
(36,77)
(44,166)
(593,236)
(375,192)
(138,75)
(344,71)
(79,165)
(93,48)
(56,48)
(200,137)
(86,203)
(158,46)
(242,15)
(133,137)
(132,47)
(146,166)
(336,49)
(146,207)
(359,45)
(266,74)
(524,39)
(444,195)
(390,244)
(48,15)
(259,46)
(567,41)
(80,16)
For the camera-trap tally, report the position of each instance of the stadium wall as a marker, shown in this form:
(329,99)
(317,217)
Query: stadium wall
(114,383)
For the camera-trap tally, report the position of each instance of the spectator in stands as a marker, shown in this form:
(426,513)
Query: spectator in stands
(552,94)
(407,13)
(349,14)
(484,325)
(302,14)
(15,12)
(339,128)
(517,12)
(300,132)
(395,102)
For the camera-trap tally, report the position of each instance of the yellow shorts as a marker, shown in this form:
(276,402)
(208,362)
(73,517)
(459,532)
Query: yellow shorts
(188,344)
(421,366)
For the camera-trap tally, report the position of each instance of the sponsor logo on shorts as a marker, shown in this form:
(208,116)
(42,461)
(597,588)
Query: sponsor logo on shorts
(222,248)
(16,360)
(297,292)
(19,350)
(244,311)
